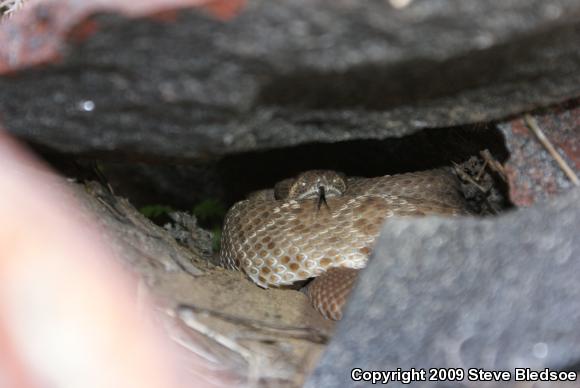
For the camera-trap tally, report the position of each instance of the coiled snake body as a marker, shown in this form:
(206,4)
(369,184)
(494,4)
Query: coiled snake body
(322,224)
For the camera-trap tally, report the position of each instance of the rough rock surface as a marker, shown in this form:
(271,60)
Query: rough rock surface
(446,293)
(288,72)
(532,172)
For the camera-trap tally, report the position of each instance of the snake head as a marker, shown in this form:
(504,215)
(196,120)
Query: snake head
(317,184)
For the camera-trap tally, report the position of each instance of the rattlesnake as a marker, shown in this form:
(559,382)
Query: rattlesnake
(323,224)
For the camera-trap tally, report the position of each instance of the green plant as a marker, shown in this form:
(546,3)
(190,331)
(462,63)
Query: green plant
(209,211)
(153,211)
(216,238)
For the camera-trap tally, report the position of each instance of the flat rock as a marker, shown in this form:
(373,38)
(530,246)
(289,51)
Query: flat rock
(193,86)
(493,293)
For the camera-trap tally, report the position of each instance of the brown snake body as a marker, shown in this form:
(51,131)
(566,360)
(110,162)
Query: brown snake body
(324,225)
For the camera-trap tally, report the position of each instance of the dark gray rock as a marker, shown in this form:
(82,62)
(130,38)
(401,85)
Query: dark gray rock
(473,293)
(289,72)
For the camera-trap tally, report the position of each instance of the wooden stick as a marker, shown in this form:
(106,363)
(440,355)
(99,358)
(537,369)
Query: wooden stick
(533,125)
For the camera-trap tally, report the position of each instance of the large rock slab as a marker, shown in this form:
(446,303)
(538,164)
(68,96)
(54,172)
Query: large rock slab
(192,86)
(493,293)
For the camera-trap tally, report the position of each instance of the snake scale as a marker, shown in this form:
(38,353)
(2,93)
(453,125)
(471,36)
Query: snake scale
(323,225)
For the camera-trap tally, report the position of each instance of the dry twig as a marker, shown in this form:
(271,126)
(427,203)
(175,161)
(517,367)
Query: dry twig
(295,332)
(535,128)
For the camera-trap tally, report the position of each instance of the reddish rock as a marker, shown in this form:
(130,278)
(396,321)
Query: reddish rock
(37,33)
(533,173)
